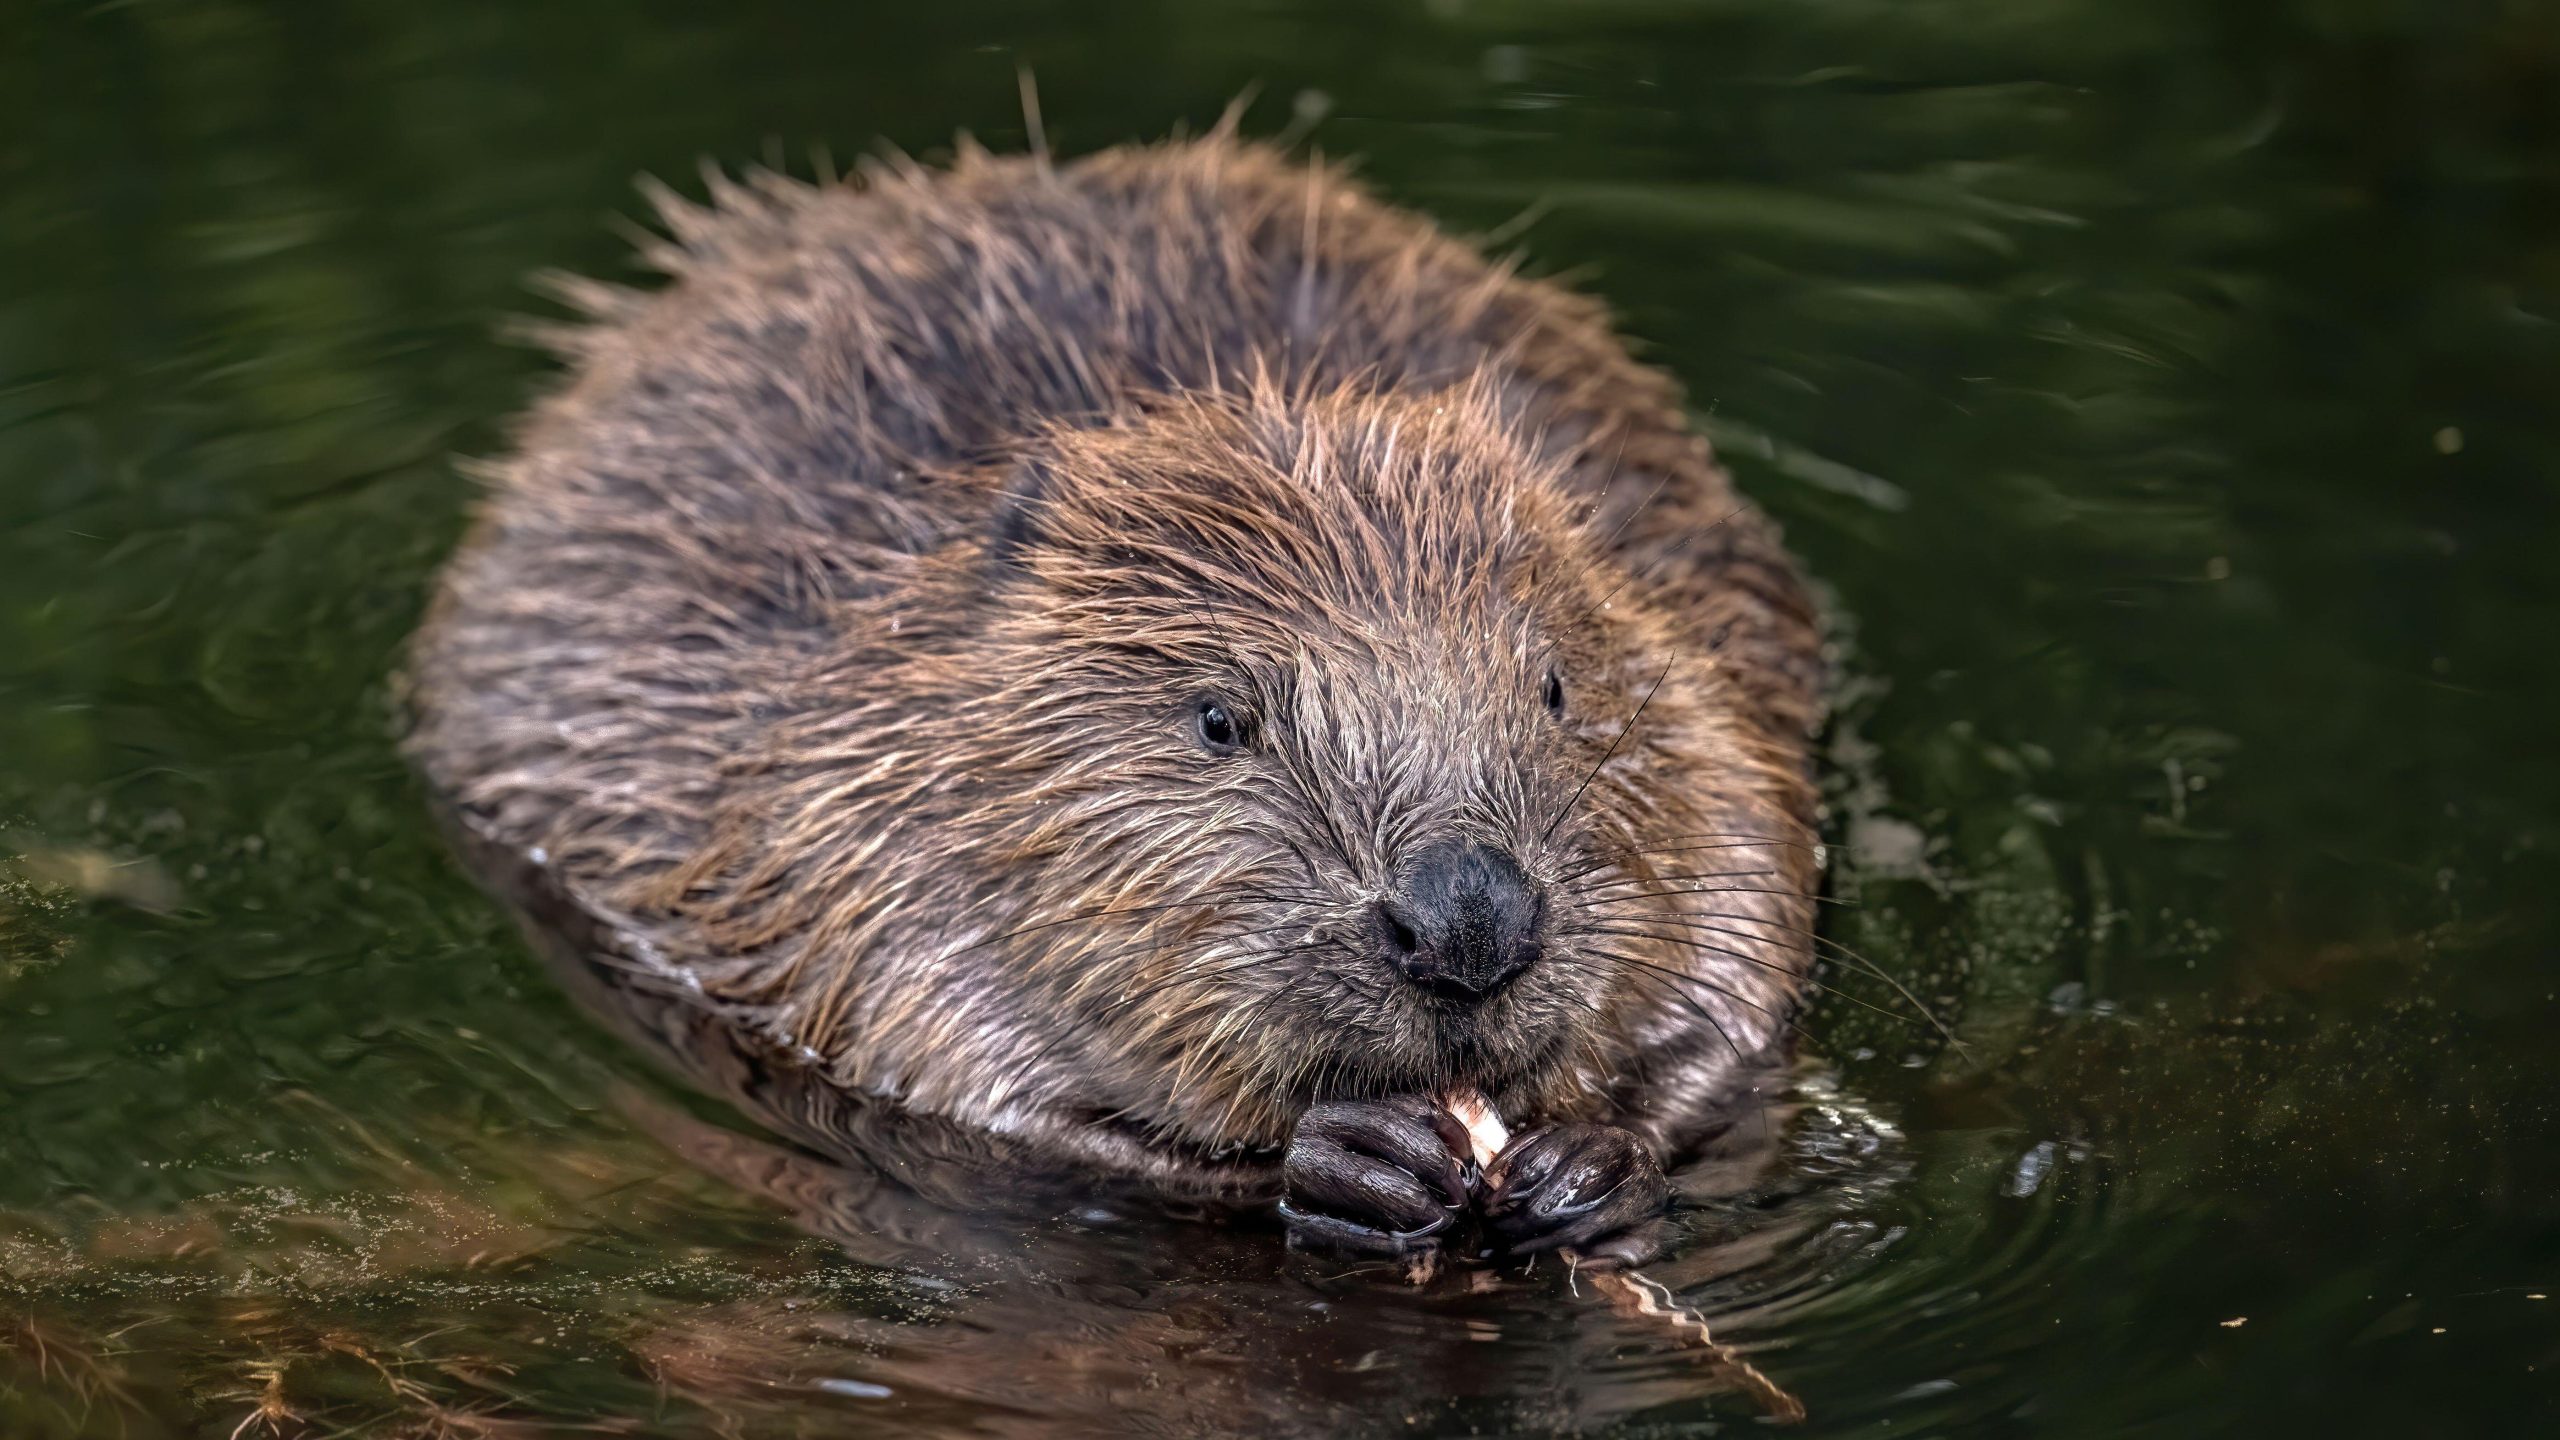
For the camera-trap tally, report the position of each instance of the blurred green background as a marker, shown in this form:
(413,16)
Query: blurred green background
(2167,397)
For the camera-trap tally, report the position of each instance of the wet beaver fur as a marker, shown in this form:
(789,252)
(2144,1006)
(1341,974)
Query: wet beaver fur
(1161,667)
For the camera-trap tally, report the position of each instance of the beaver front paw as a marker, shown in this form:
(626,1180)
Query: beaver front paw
(1595,1189)
(1373,1177)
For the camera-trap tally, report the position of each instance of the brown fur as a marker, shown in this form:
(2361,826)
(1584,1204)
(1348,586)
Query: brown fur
(833,635)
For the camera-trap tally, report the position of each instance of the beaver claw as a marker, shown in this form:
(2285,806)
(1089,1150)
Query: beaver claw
(1373,1177)
(1595,1189)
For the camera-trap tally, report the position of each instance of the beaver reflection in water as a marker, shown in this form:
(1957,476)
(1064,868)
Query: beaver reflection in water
(1161,667)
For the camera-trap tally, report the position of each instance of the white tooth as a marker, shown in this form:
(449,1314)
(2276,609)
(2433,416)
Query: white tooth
(1486,1134)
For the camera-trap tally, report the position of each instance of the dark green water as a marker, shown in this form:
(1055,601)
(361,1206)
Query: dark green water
(2168,396)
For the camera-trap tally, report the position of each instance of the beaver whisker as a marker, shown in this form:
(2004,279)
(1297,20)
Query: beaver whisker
(1749,836)
(1581,1003)
(1688,944)
(1596,886)
(1840,950)
(1593,880)
(1634,1059)
(1640,506)
(1619,926)
(1834,986)
(1697,921)
(1684,837)
(1655,877)
(1634,904)
(1849,995)
(1665,972)
(1662,976)
(1700,980)
(1723,834)
(1607,755)
(1621,857)
(1844,953)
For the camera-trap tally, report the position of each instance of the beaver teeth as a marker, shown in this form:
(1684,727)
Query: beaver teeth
(1486,1134)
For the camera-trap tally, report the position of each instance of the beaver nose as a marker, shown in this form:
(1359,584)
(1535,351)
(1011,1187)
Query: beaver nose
(1464,921)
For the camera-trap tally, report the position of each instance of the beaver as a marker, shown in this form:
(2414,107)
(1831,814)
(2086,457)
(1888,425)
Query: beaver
(1164,665)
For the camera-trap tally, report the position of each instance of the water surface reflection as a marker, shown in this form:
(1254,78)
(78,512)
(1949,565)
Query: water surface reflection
(2164,396)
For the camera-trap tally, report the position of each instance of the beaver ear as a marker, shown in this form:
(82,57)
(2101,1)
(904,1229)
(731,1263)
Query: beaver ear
(1017,518)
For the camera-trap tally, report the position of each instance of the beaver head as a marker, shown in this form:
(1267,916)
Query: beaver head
(1265,748)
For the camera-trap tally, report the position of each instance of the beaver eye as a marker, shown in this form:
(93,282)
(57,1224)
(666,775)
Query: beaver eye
(1555,694)
(1218,728)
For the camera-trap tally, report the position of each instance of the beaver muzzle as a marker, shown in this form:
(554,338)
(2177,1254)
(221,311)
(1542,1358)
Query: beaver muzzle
(1462,922)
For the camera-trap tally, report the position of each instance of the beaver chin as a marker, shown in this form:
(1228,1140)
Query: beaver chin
(1424,1042)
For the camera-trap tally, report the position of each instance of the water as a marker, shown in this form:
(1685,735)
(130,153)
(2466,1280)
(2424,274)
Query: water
(2164,395)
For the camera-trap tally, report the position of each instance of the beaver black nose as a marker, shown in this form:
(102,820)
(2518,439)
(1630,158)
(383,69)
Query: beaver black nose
(1463,923)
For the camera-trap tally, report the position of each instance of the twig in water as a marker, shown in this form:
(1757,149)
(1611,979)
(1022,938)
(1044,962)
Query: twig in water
(1635,1296)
